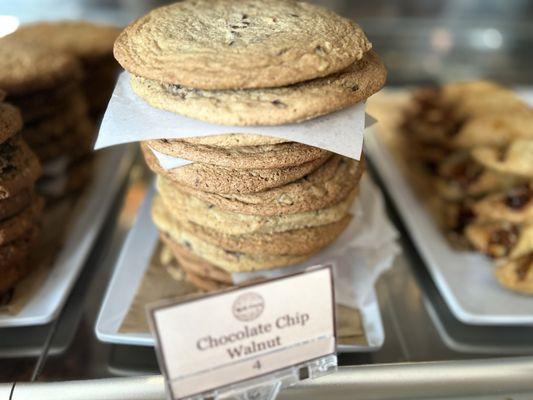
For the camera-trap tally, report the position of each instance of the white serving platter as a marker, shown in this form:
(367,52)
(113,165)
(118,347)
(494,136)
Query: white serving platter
(88,216)
(464,279)
(129,270)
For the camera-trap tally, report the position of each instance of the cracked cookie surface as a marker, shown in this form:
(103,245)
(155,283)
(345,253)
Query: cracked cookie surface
(280,155)
(324,187)
(26,68)
(227,44)
(184,205)
(216,179)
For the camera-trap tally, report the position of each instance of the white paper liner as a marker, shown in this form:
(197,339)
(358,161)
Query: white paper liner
(364,251)
(129,118)
(168,162)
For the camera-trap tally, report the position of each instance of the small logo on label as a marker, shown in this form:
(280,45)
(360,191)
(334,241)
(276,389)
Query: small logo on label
(248,306)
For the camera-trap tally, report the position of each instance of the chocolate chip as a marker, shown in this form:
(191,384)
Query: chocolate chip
(244,16)
(518,197)
(187,244)
(6,297)
(320,50)
(7,151)
(279,103)
(502,154)
(233,253)
(282,51)
(8,169)
(503,237)
(210,206)
(231,43)
(464,216)
(462,172)
(294,15)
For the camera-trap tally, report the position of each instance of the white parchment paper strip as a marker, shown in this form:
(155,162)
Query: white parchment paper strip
(168,162)
(128,118)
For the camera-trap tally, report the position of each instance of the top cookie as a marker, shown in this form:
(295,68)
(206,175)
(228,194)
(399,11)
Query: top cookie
(81,39)
(26,68)
(230,44)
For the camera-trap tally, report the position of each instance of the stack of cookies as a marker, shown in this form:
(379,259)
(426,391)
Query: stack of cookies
(248,202)
(46,86)
(475,141)
(91,44)
(20,208)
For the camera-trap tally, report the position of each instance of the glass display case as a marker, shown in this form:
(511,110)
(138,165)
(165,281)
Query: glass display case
(427,351)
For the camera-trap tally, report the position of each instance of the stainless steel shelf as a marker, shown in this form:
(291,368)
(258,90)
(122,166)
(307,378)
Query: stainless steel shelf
(427,352)
(418,359)
(391,381)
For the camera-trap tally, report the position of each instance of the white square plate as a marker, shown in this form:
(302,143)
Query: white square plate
(465,279)
(111,167)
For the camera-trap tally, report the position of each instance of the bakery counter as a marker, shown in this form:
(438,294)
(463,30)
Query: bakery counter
(422,338)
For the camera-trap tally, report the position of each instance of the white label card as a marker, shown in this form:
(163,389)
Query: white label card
(227,337)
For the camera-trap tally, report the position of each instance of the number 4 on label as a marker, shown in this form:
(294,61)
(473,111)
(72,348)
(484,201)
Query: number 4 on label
(257,365)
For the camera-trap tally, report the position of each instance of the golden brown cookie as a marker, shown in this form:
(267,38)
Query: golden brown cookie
(90,43)
(45,103)
(235,140)
(227,44)
(56,125)
(517,274)
(514,205)
(305,241)
(226,259)
(76,143)
(222,180)
(183,205)
(496,129)
(84,40)
(515,158)
(246,157)
(461,176)
(500,239)
(477,98)
(192,263)
(269,106)
(324,187)
(467,114)
(204,284)
(26,68)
